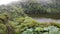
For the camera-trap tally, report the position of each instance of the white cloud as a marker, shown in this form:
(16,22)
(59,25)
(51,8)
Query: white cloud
(6,1)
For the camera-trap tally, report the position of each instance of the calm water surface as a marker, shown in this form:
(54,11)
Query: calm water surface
(47,20)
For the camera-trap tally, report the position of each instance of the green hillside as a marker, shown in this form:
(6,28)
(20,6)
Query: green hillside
(16,18)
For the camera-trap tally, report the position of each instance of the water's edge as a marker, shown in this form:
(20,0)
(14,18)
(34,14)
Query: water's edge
(46,20)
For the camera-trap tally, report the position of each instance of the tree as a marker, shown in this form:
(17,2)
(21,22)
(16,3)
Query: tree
(5,20)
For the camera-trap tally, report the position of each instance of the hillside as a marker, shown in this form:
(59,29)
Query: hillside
(16,17)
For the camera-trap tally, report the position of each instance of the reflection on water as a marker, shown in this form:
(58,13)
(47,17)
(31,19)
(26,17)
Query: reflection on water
(46,20)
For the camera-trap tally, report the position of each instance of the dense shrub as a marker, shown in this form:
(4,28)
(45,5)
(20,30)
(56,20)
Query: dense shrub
(26,25)
(13,19)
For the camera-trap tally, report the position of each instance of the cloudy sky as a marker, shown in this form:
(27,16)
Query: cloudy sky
(6,1)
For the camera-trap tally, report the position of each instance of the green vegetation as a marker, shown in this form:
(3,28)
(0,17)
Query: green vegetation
(40,30)
(36,9)
(14,19)
(26,25)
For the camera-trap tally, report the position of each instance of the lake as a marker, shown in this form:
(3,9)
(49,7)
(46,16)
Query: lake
(47,20)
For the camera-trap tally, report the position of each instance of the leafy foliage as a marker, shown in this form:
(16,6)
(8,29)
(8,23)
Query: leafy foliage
(46,30)
(14,19)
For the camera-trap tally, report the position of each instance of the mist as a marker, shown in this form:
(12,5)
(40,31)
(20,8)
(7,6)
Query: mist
(6,1)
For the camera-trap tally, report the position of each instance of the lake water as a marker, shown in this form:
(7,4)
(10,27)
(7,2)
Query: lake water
(47,20)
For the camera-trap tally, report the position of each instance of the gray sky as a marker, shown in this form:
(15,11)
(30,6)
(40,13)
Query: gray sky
(6,1)
(9,1)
